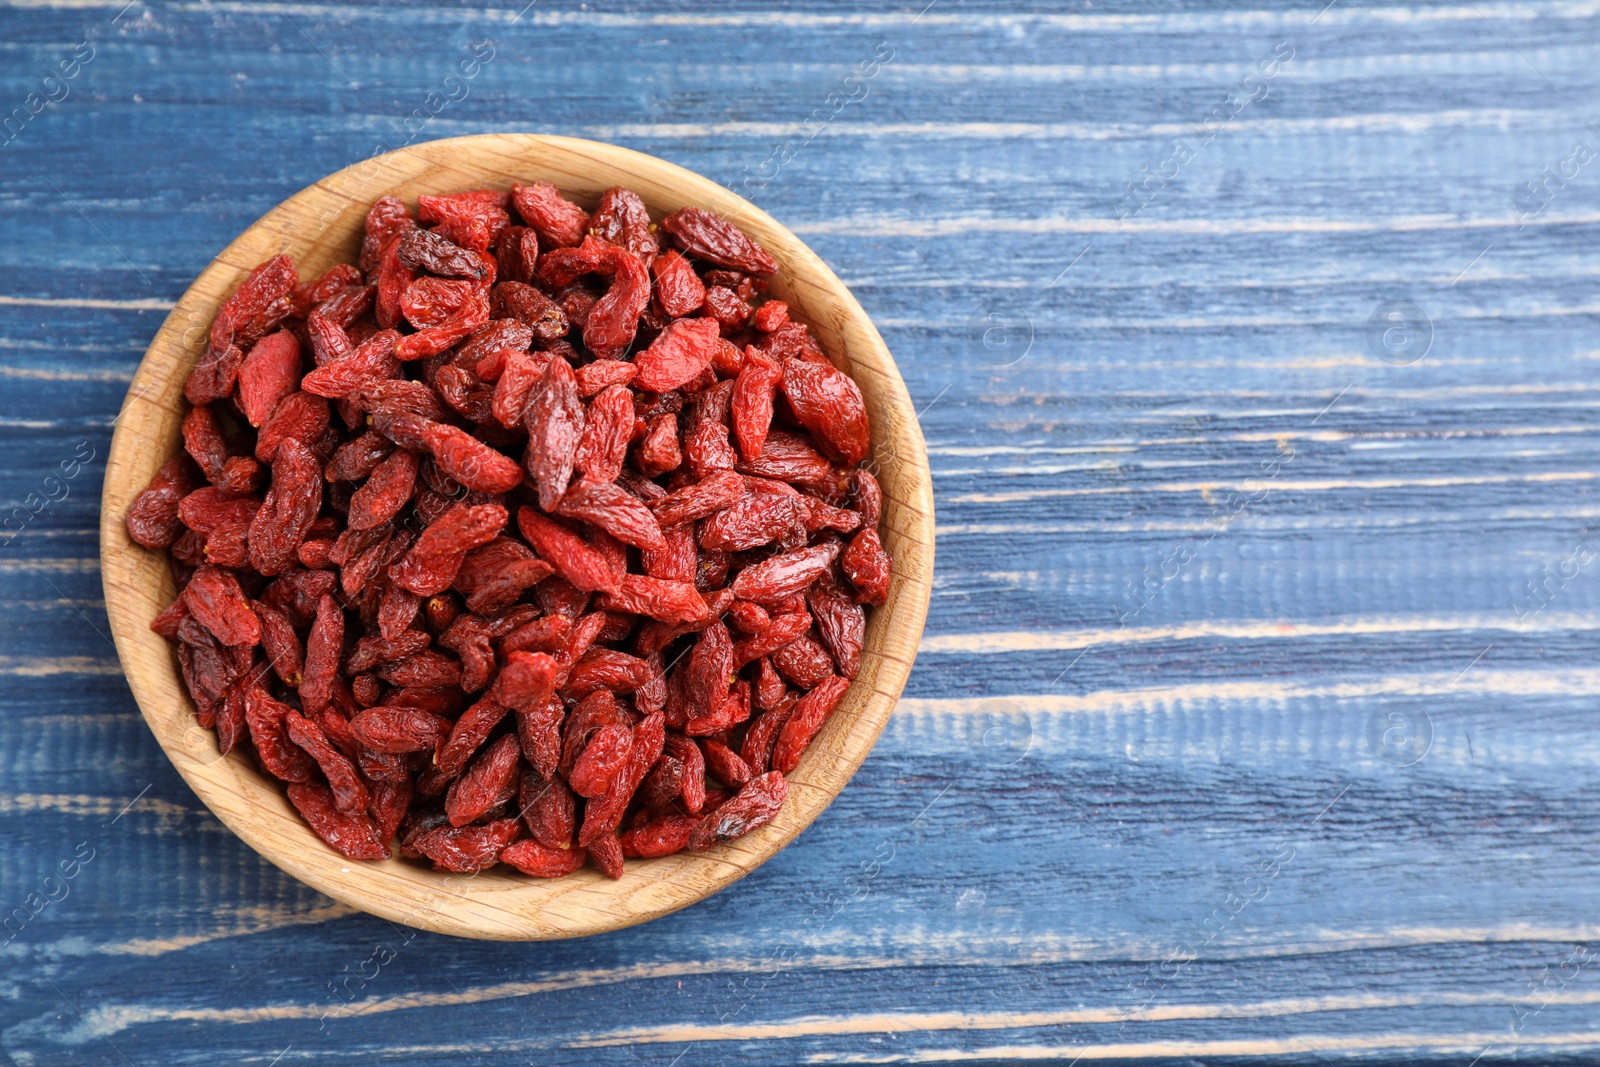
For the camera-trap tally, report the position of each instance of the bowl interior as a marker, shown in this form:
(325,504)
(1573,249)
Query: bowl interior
(322,226)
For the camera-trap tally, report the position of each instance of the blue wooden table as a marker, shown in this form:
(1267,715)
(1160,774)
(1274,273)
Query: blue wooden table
(1256,350)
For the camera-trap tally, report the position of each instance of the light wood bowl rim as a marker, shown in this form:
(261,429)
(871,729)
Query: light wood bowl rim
(491,904)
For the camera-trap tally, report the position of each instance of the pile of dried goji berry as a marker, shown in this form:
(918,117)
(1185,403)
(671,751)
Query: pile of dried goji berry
(617,646)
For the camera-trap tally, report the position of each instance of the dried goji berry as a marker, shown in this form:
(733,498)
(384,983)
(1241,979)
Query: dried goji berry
(351,834)
(809,714)
(549,807)
(557,220)
(840,621)
(269,373)
(399,729)
(829,404)
(621,218)
(751,808)
(725,763)
(576,560)
(612,322)
(262,301)
(601,761)
(660,836)
(387,219)
(433,561)
(602,815)
(288,511)
(803,662)
(387,490)
(555,422)
(784,575)
(659,451)
(470,461)
(215,374)
(678,287)
(216,601)
(390,594)
(349,791)
(467,848)
(303,416)
(690,756)
(529,306)
(680,354)
(866,564)
(488,783)
(541,861)
(324,649)
(429,251)
(153,520)
(602,373)
(704,235)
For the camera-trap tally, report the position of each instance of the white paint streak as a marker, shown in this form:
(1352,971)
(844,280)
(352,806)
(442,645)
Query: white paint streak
(924,1022)
(996,643)
(1300,1048)
(1546,683)
(1209,226)
(149,304)
(51,666)
(1309,485)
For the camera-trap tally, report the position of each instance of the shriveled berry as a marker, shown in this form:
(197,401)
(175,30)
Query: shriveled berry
(363,503)
(426,250)
(269,373)
(704,235)
(351,834)
(433,561)
(751,808)
(867,565)
(541,861)
(557,220)
(153,519)
(680,354)
(809,714)
(215,599)
(555,423)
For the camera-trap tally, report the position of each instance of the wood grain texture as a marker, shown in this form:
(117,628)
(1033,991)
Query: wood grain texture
(322,226)
(1078,777)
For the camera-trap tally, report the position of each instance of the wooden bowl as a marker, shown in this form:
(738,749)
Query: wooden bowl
(322,226)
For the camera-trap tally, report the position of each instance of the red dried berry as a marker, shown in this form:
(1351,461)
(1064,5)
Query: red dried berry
(829,404)
(612,322)
(290,507)
(468,848)
(703,235)
(601,761)
(470,461)
(153,519)
(399,729)
(269,373)
(866,564)
(679,355)
(488,783)
(809,714)
(670,497)
(622,219)
(351,834)
(214,598)
(433,561)
(678,287)
(579,563)
(751,808)
(541,861)
(557,220)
